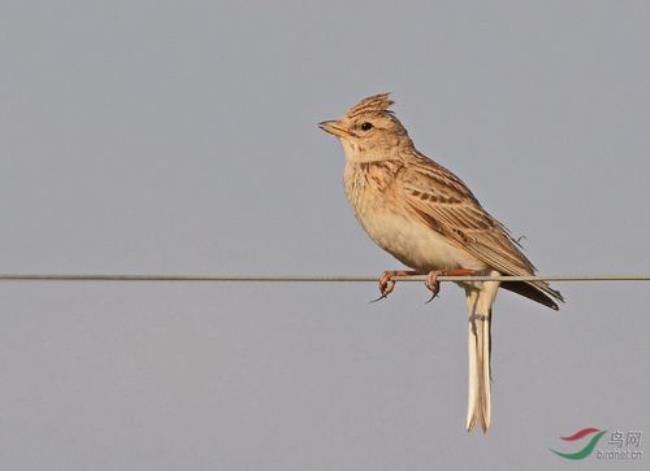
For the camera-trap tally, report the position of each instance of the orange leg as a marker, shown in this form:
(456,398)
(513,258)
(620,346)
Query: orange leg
(432,279)
(386,283)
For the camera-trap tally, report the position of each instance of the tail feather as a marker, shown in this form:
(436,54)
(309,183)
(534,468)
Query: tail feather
(479,307)
(541,292)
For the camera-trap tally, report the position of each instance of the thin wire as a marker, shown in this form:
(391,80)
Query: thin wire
(120,277)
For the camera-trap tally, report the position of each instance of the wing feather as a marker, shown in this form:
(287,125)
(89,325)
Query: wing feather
(443,202)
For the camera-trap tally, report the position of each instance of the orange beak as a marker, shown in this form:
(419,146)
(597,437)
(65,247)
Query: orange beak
(333,127)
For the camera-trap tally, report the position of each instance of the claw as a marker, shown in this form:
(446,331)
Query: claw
(433,296)
(386,283)
(433,284)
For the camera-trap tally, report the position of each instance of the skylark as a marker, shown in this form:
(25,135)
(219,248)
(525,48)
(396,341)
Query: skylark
(427,218)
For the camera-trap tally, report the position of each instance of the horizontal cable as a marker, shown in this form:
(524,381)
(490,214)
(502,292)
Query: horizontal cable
(300,278)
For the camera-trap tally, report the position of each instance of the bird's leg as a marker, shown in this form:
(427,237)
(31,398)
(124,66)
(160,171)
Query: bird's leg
(433,284)
(386,283)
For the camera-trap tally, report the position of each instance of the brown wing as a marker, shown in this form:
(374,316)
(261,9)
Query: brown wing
(444,203)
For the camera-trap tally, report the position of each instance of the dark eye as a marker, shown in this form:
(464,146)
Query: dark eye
(366,126)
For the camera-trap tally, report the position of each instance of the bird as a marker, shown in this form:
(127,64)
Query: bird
(428,219)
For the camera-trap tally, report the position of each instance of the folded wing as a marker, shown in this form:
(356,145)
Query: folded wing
(443,202)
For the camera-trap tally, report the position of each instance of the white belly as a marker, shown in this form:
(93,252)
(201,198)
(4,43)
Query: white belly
(413,243)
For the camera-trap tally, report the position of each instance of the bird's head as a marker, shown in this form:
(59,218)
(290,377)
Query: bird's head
(369,130)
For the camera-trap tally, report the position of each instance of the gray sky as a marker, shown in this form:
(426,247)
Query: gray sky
(180,137)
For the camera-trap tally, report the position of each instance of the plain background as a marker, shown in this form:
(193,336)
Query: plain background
(180,137)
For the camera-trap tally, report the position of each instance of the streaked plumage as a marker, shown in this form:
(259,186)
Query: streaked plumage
(427,218)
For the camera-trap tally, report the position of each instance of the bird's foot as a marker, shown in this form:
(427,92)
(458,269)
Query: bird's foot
(433,284)
(387,284)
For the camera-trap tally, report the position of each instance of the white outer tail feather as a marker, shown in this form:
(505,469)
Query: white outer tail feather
(480,296)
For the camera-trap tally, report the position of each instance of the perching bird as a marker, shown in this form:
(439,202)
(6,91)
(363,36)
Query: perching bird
(427,218)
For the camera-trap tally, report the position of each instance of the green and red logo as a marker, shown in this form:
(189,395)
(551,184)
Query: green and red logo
(586,450)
